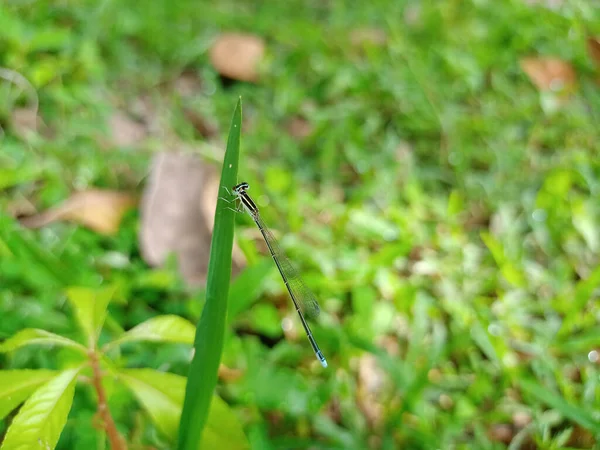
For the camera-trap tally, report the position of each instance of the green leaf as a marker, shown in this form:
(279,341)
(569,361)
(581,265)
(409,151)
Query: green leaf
(17,385)
(494,246)
(43,416)
(41,268)
(17,175)
(223,428)
(509,270)
(265,320)
(90,309)
(579,343)
(211,329)
(169,328)
(573,412)
(482,339)
(246,288)
(34,336)
(161,395)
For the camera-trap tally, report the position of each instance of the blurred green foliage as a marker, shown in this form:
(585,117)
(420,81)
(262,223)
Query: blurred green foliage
(444,214)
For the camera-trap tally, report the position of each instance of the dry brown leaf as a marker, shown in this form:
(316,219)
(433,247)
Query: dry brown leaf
(187,84)
(171,216)
(299,128)
(549,74)
(371,380)
(364,37)
(203,126)
(177,214)
(24,121)
(501,432)
(99,210)
(21,207)
(150,114)
(227,374)
(126,131)
(521,419)
(238,56)
(593,45)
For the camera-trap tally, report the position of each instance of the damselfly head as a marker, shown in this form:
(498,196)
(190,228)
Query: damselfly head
(239,188)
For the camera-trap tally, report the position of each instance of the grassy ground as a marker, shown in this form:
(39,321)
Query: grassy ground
(443,209)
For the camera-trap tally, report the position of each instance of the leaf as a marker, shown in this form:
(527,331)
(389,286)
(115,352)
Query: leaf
(246,288)
(368,37)
(223,428)
(211,329)
(182,181)
(17,385)
(584,290)
(42,269)
(90,309)
(580,343)
(509,271)
(24,121)
(549,74)
(584,222)
(34,336)
(161,395)
(238,56)
(99,210)
(125,131)
(593,45)
(299,128)
(168,328)
(482,340)
(43,416)
(13,176)
(205,127)
(573,412)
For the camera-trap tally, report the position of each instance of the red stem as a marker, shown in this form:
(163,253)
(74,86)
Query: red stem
(116,441)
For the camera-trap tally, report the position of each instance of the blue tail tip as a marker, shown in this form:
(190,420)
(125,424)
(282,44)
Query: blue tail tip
(322,359)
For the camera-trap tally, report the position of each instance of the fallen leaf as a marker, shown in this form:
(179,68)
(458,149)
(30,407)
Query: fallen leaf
(593,45)
(187,84)
(171,215)
(177,214)
(299,128)
(549,74)
(126,131)
(203,126)
(238,56)
(365,37)
(521,419)
(501,433)
(147,112)
(99,210)
(227,374)
(24,121)
(371,380)
(20,207)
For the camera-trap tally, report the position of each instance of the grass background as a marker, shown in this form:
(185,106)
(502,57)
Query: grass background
(444,214)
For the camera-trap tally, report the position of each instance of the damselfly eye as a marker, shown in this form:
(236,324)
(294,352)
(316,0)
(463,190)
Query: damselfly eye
(241,187)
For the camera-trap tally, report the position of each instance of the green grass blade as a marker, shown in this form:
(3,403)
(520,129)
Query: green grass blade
(572,411)
(208,344)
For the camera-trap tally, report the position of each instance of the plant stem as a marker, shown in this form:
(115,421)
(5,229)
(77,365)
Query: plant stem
(115,439)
